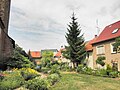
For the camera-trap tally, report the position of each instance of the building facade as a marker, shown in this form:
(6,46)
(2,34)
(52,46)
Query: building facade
(6,43)
(103,46)
(35,56)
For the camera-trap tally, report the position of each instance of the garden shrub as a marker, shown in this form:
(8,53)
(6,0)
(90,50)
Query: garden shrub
(53,78)
(12,81)
(113,74)
(103,72)
(80,68)
(108,72)
(108,69)
(18,60)
(2,75)
(64,67)
(28,73)
(45,70)
(88,71)
(96,73)
(54,69)
(36,84)
(100,60)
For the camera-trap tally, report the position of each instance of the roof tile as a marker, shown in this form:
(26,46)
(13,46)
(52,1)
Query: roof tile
(108,34)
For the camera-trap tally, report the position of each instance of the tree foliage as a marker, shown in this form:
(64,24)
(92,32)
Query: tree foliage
(76,46)
(20,50)
(46,54)
(66,53)
(18,59)
(117,44)
(100,60)
(47,57)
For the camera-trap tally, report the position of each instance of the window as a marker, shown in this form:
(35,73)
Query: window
(115,30)
(100,49)
(113,50)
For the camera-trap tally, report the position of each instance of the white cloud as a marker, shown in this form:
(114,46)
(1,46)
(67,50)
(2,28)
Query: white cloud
(48,20)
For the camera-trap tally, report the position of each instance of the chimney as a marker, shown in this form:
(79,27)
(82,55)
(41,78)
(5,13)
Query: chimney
(95,36)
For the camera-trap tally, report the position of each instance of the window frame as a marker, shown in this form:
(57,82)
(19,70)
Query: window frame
(115,30)
(112,48)
(100,51)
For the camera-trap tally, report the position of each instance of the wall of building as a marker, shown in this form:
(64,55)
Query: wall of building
(90,59)
(6,43)
(110,57)
(4,12)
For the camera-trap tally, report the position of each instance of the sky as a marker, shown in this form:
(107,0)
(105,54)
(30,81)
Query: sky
(42,24)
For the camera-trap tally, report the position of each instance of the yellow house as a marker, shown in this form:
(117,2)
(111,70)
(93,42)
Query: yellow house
(103,46)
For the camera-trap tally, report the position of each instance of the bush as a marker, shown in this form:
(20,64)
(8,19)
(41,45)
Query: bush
(55,69)
(108,69)
(36,84)
(28,73)
(100,60)
(2,76)
(11,81)
(53,78)
(88,71)
(84,69)
(103,72)
(64,66)
(17,60)
(113,74)
(45,70)
(80,68)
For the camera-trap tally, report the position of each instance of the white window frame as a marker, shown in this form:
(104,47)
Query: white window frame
(111,46)
(100,49)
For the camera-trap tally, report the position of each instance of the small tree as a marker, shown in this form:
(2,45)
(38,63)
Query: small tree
(47,57)
(100,60)
(76,46)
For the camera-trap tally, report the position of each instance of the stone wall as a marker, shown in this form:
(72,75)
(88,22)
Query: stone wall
(4,12)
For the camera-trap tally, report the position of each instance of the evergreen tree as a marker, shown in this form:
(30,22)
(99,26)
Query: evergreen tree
(75,42)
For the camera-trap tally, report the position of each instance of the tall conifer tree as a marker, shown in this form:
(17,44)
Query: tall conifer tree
(76,51)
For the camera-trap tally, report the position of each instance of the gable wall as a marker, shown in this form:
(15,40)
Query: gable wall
(109,56)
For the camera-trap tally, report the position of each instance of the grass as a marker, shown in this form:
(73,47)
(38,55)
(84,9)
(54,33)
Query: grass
(73,81)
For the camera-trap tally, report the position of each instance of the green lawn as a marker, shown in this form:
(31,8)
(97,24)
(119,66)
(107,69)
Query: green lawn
(86,82)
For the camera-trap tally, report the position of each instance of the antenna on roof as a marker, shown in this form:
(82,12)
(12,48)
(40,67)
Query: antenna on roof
(98,29)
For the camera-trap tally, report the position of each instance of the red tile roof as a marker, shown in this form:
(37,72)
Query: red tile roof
(108,34)
(88,45)
(58,54)
(35,54)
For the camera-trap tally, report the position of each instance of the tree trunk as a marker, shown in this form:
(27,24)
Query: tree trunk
(77,63)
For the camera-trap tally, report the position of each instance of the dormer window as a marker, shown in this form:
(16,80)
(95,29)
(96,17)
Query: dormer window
(115,30)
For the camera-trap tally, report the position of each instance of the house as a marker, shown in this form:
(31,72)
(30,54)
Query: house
(7,44)
(58,55)
(103,46)
(89,49)
(35,56)
(60,58)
